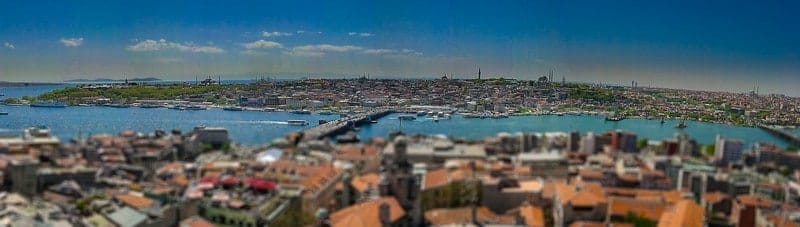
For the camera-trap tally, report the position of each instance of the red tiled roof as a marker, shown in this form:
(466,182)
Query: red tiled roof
(366,214)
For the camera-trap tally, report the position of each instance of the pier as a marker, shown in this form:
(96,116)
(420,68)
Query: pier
(792,138)
(342,125)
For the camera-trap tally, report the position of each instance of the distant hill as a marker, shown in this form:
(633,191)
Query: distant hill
(98,80)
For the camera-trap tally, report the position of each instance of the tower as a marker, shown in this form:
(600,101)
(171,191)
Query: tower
(479,73)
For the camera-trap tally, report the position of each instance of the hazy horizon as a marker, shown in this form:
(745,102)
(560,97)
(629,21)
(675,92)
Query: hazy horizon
(722,46)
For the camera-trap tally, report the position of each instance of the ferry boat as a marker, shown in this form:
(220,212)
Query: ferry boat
(407,117)
(301,112)
(149,106)
(194,107)
(49,104)
(297,122)
(232,108)
(118,105)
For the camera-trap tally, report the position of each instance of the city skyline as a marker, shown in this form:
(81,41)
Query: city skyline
(730,46)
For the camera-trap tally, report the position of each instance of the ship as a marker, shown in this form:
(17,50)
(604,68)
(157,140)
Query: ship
(301,112)
(118,105)
(297,122)
(232,108)
(149,106)
(407,117)
(3,113)
(194,107)
(49,104)
(681,124)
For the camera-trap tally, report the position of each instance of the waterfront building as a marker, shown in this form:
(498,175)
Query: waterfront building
(728,150)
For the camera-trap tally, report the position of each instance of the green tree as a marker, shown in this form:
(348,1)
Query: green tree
(791,147)
(709,149)
(638,220)
(641,143)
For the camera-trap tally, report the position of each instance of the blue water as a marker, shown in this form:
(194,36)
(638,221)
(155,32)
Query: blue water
(474,128)
(18,92)
(250,127)
(247,127)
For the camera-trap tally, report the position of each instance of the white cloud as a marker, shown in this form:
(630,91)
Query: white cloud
(9,45)
(71,42)
(275,34)
(362,34)
(379,51)
(162,44)
(262,44)
(320,50)
(402,52)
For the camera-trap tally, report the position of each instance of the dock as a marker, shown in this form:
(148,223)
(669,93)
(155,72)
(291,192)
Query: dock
(792,138)
(342,125)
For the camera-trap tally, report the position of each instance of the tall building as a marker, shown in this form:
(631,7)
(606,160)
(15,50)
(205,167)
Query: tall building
(574,141)
(23,176)
(627,142)
(728,150)
(588,143)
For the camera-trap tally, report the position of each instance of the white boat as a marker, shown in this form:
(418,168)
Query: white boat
(3,113)
(297,122)
(301,112)
(49,104)
(407,117)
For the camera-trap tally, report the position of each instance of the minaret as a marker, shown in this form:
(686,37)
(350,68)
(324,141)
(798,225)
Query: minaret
(479,73)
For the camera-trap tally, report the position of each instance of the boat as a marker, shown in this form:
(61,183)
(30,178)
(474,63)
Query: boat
(233,108)
(435,118)
(176,107)
(407,117)
(269,109)
(118,105)
(326,113)
(421,113)
(194,107)
(301,112)
(149,106)
(49,104)
(681,124)
(3,113)
(84,105)
(614,117)
(373,122)
(297,122)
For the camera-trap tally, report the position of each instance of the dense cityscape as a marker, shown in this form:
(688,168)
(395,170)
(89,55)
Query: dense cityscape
(354,113)
(478,97)
(324,176)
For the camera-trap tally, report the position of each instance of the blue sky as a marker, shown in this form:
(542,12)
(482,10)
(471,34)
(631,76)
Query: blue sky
(712,45)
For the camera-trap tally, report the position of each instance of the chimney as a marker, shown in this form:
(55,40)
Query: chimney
(385,215)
